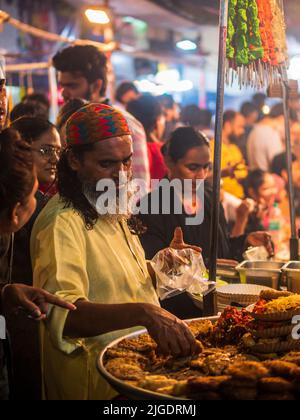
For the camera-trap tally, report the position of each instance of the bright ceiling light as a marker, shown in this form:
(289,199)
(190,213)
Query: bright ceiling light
(98,16)
(266,110)
(167,76)
(186,45)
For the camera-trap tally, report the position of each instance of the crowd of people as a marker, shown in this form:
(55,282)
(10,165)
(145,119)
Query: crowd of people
(86,277)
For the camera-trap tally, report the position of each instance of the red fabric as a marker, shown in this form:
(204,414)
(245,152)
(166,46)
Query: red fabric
(158,169)
(50,190)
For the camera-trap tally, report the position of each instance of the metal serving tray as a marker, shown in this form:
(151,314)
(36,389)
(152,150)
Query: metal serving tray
(264,273)
(130,391)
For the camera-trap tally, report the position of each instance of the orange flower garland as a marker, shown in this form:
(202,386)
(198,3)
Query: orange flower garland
(266,21)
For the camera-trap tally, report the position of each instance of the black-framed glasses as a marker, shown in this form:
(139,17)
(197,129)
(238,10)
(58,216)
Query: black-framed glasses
(48,152)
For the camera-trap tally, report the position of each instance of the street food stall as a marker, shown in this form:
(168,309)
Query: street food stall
(249,354)
(251,349)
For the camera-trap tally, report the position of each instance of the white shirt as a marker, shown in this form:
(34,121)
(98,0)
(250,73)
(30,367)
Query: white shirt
(230,204)
(140,161)
(264,143)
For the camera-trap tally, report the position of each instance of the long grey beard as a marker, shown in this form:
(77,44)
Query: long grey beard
(92,195)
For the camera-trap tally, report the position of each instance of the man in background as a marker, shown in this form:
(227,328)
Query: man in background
(82,73)
(125,93)
(266,140)
(171,112)
(251,114)
(232,161)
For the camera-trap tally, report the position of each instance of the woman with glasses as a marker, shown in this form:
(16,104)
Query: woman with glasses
(18,186)
(188,158)
(46,146)
(44,140)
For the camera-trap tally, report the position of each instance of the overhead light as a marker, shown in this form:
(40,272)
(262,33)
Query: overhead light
(266,110)
(171,86)
(98,16)
(186,45)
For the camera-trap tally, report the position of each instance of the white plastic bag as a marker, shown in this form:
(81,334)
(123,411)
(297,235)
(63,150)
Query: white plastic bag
(258,253)
(178,271)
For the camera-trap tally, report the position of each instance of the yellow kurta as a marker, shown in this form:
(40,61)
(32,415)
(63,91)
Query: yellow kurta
(103,265)
(231,155)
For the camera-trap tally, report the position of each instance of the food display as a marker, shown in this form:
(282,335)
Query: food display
(239,358)
(256,42)
(281,305)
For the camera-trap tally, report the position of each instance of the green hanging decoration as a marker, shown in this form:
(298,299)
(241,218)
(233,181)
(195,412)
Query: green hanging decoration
(256,47)
(242,52)
(256,50)
(231,29)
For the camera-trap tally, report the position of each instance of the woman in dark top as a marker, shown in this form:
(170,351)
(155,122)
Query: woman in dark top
(187,156)
(46,148)
(18,186)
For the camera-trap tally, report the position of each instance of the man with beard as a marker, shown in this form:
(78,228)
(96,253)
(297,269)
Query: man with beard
(95,262)
(82,74)
(232,161)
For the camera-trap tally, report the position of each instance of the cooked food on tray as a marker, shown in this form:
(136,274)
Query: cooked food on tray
(271,294)
(281,304)
(240,358)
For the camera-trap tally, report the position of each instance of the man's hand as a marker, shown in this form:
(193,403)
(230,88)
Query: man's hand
(170,333)
(178,242)
(261,239)
(35,302)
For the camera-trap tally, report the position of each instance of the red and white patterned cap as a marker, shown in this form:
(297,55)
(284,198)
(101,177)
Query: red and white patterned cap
(95,122)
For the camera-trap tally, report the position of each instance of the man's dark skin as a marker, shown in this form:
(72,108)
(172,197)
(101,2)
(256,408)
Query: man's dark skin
(107,159)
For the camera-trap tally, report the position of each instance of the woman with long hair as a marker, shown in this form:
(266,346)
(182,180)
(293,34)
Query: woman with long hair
(18,186)
(188,158)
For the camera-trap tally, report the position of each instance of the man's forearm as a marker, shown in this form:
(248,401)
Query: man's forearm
(91,319)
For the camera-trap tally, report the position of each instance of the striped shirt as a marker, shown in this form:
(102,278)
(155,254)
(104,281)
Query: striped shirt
(140,161)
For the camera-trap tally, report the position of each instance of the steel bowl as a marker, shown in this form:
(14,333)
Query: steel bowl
(264,273)
(291,274)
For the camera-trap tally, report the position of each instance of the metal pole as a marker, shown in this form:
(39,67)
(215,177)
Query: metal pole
(294,244)
(214,236)
(53,93)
